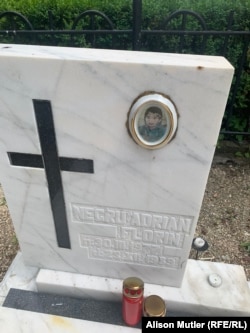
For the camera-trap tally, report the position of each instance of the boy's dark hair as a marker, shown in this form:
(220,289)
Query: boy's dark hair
(153,109)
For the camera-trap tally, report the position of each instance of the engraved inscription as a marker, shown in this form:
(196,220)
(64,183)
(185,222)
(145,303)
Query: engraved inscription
(131,236)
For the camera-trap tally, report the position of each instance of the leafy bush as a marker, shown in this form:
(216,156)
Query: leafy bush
(217,15)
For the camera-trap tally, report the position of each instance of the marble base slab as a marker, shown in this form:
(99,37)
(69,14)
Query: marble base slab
(20,321)
(195,297)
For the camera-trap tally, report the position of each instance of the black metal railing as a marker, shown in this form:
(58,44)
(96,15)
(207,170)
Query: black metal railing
(93,28)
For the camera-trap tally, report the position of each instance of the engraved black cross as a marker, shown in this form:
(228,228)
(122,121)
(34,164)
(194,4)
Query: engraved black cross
(53,164)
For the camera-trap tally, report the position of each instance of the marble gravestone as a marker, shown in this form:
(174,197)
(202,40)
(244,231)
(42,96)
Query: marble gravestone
(86,191)
(104,159)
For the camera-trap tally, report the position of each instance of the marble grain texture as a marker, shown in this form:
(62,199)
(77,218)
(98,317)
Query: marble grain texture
(19,321)
(136,213)
(195,297)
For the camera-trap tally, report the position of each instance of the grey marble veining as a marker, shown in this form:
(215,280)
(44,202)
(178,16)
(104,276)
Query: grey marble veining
(137,212)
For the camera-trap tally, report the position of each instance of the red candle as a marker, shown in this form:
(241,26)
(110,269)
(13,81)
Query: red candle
(132,300)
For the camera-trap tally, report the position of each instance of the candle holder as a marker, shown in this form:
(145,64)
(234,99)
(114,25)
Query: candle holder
(200,245)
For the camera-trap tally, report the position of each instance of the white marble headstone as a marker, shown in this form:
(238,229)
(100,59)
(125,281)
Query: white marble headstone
(84,197)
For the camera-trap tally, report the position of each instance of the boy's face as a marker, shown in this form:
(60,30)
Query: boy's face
(152,120)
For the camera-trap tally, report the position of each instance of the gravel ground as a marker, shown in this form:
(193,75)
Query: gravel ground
(224,220)
(225,214)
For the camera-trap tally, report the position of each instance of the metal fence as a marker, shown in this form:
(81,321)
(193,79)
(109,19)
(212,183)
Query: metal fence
(93,28)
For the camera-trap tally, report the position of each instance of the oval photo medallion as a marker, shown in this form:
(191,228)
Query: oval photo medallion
(152,121)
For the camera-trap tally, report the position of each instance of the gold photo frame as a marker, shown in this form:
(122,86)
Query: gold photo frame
(152,120)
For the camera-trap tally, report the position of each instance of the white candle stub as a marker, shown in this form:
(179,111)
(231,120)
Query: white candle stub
(199,242)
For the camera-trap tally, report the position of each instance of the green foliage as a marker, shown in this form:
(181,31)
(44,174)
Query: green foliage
(241,154)
(246,245)
(215,13)
(3,202)
(61,15)
(14,240)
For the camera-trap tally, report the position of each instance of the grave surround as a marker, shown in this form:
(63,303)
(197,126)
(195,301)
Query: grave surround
(48,298)
(90,206)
